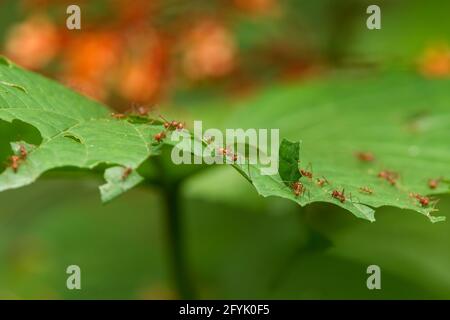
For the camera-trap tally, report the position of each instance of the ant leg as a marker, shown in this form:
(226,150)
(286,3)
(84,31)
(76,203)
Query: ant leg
(356,198)
(433,208)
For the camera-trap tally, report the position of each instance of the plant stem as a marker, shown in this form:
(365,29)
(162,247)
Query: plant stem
(171,194)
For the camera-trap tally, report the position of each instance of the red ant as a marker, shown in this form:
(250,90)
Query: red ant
(209,140)
(307,173)
(434,183)
(126,173)
(389,176)
(14,162)
(173,125)
(321,182)
(159,136)
(366,190)
(339,195)
(225,152)
(23,152)
(365,156)
(118,115)
(298,188)
(424,201)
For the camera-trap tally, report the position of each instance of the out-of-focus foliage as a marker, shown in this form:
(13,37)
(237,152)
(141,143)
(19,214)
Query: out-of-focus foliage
(268,254)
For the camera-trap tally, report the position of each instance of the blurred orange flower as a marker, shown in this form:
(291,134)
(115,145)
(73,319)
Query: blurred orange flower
(140,75)
(209,51)
(436,61)
(33,43)
(256,6)
(91,55)
(88,60)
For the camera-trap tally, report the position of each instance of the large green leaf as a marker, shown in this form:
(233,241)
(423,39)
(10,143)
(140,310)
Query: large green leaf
(76,132)
(333,120)
(403,119)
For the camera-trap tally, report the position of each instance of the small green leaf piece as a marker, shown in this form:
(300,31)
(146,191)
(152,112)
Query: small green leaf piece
(288,161)
(119,180)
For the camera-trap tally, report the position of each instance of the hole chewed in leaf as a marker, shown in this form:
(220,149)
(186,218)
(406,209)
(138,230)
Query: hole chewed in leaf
(73,137)
(14,85)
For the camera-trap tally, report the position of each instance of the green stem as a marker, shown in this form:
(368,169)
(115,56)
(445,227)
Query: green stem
(171,194)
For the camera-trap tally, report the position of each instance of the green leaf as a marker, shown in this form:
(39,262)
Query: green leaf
(288,161)
(119,180)
(403,119)
(75,131)
(413,140)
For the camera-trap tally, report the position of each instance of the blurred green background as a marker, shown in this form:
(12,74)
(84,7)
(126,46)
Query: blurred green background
(200,59)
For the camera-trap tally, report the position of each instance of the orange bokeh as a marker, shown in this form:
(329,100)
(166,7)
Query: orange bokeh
(209,51)
(436,61)
(33,43)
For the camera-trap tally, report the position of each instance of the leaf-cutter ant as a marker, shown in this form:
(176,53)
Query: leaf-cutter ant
(423,200)
(226,152)
(307,173)
(23,152)
(434,183)
(14,162)
(172,125)
(223,151)
(209,140)
(118,115)
(298,188)
(339,195)
(389,176)
(366,190)
(126,173)
(365,156)
(159,136)
(321,181)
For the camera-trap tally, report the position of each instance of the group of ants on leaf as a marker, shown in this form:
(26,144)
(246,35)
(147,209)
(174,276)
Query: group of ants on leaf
(297,187)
